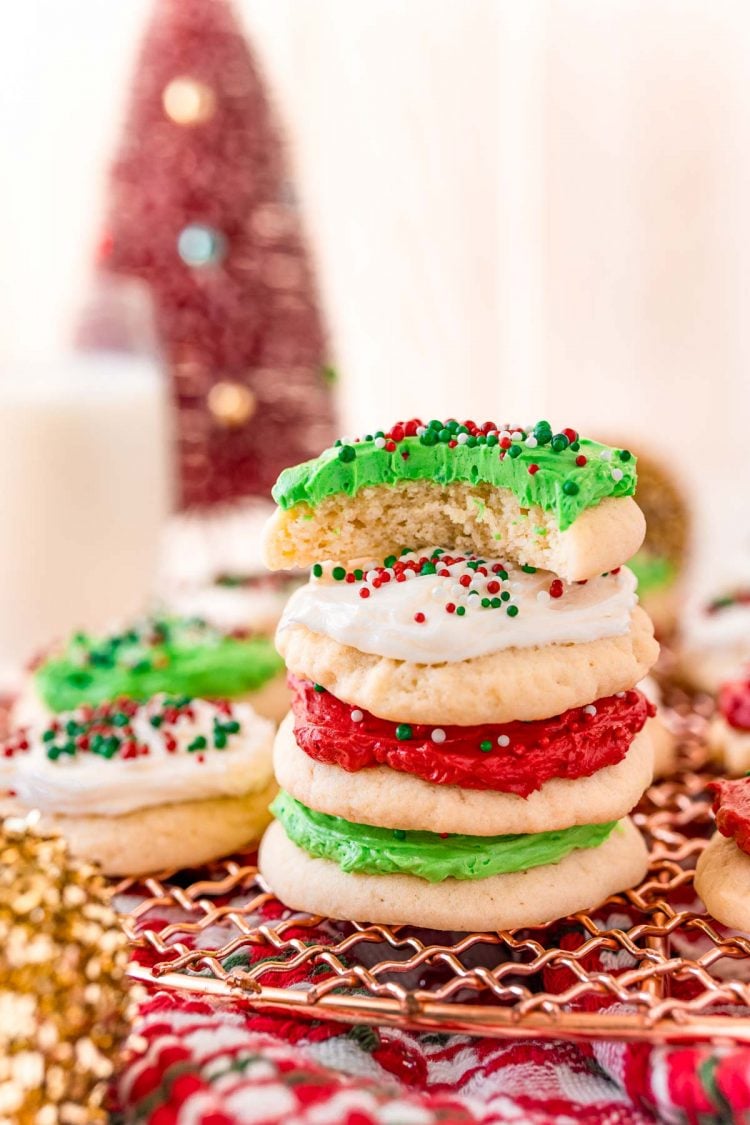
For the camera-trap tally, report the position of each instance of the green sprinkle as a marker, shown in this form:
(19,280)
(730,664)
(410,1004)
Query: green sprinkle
(492,439)
(359,574)
(528,569)
(319,688)
(317,570)
(575,446)
(48,736)
(625,454)
(445,435)
(559,442)
(496,603)
(399,834)
(486,603)
(502,575)
(428,568)
(198,743)
(232,727)
(460,610)
(403,732)
(338,573)
(220,740)
(505,596)
(514,451)
(485,746)
(570,488)
(156,721)
(347,453)
(429,437)
(390,561)
(512,611)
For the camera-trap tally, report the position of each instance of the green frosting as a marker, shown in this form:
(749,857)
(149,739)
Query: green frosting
(180,656)
(559,485)
(385,851)
(654,572)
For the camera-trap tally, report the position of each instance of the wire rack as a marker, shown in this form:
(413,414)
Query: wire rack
(649,964)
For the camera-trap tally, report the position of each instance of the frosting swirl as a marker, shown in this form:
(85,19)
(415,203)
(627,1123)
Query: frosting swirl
(384,851)
(436,608)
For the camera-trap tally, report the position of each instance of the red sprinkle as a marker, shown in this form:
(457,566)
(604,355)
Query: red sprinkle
(419,618)
(390,446)
(556,588)
(465,580)
(571,435)
(580,460)
(364,592)
(450,607)
(533,469)
(493,587)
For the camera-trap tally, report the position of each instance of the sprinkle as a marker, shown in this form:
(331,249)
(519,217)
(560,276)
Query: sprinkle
(419,618)
(460,610)
(503,740)
(514,451)
(556,588)
(570,488)
(450,607)
(317,571)
(379,443)
(319,688)
(589,709)
(399,834)
(438,735)
(531,442)
(625,455)
(533,469)
(364,592)
(462,438)
(606,455)
(338,573)
(403,732)
(512,611)
(485,746)
(543,597)
(581,460)
(357,716)
(617,474)
(347,453)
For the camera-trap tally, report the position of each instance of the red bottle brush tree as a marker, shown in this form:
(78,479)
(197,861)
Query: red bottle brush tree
(200,209)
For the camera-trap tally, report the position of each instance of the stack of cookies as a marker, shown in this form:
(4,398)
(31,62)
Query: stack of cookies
(465,740)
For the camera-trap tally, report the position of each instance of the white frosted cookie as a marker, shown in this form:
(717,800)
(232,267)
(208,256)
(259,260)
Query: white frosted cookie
(527,684)
(392,799)
(583,879)
(722,879)
(172,782)
(729,746)
(167,837)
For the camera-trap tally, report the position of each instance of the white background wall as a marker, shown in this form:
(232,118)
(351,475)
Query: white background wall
(525,207)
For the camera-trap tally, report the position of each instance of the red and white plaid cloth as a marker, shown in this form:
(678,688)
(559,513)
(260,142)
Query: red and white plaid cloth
(202,1062)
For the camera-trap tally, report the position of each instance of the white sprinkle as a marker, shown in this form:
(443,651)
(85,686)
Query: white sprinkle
(619,695)
(438,592)
(532,442)
(504,434)
(516,435)
(606,455)
(421,430)
(589,709)
(462,438)
(544,596)
(371,576)
(617,474)
(457,590)
(438,735)
(379,443)
(357,716)
(503,740)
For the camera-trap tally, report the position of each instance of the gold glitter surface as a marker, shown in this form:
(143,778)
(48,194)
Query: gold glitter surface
(63,993)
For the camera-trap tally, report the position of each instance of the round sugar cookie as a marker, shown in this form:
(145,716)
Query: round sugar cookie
(162,837)
(516,683)
(389,798)
(583,879)
(722,879)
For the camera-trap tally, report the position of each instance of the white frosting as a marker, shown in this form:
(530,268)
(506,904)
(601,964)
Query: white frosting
(230,607)
(383,623)
(86,784)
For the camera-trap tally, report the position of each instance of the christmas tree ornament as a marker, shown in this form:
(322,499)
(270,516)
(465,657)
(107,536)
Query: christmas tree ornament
(201,210)
(63,994)
(231,404)
(188,102)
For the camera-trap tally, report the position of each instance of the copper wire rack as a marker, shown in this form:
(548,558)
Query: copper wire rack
(648,965)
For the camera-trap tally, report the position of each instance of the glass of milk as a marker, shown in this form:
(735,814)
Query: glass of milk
(85,488)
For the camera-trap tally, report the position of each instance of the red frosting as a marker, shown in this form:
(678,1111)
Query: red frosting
(574,744)
(732,810)
(734,703)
